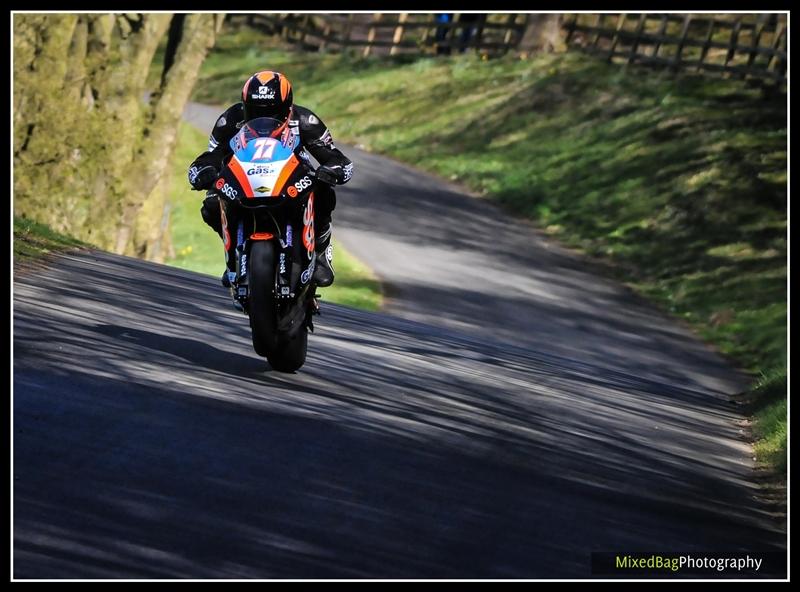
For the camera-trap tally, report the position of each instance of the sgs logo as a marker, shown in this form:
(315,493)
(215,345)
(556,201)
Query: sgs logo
(303,184)
(226,189)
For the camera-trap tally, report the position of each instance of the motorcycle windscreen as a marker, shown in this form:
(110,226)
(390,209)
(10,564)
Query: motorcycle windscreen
(263,164)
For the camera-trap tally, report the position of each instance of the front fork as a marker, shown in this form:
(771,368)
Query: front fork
(240,286)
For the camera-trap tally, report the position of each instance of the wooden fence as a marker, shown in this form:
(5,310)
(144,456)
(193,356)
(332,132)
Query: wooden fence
(751,46)
(748,46)
(396,33)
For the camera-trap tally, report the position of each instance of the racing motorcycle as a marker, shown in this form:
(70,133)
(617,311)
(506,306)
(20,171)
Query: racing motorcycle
(269,184)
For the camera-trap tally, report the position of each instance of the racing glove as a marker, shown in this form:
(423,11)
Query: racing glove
(202,177)
(335,174)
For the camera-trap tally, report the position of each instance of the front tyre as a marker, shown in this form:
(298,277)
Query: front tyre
(262,297)
(284,353)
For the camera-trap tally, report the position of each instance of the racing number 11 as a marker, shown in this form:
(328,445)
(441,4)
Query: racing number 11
(264,148)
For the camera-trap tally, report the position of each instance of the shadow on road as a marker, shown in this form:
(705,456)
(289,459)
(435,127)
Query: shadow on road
(149,441)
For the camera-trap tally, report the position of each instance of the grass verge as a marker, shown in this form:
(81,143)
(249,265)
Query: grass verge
(770,425)
(679,183)
(34,242)
(197,248)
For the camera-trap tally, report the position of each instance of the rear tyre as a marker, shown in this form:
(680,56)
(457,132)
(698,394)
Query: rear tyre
(290,354)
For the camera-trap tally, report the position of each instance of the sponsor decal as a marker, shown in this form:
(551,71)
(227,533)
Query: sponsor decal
(326,138)
(227,190)
(220,183)
(264,148)
(264,92)
(308,227)
(282,263)
(289,138)
(292,191)
(263,189)
(312,120)
(261,169)
(221,121)
(226,236)
(348,172)
(285,290)
(306,275)
(303,184)
(289,235)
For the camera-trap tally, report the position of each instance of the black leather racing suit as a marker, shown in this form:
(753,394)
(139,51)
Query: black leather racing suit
(314,137)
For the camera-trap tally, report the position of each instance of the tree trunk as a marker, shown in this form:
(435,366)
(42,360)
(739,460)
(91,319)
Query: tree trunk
(41,49)
(163,118)
(88,149)
(543,34)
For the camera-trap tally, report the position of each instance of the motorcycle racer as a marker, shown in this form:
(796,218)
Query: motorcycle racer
(269,94)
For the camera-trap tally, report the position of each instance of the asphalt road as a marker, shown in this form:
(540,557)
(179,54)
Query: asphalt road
(507,415)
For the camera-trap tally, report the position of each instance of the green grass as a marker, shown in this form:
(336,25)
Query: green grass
(196,246)
(355,285)
(770,425)
(34,241)
(199,249)
(679,184)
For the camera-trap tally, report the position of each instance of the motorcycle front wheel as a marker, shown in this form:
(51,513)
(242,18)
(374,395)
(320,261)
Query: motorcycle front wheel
(284,353)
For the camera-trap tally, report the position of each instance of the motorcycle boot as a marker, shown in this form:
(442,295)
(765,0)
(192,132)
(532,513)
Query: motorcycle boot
(323,272)
(229,275)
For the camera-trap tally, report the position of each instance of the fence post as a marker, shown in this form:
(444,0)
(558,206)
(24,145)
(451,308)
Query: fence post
(711,24)
(326,32)
(284,19)
(637,36)
(344,43)
(684,32)
(757,31)
(597,23)
(775,47)
(479,31)
(371,35)
(570,26)
(734,39)
(523,28)
(615,39)
(661,32)
(398,33)
(426,32)
(510,31)
(304,24)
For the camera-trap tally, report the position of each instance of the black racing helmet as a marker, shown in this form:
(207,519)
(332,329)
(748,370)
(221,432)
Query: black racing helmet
(267,94)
